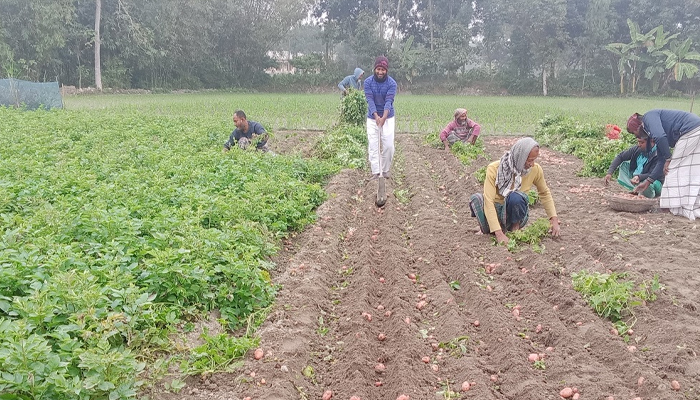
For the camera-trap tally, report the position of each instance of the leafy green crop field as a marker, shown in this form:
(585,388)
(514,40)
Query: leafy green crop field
(123,222)
(415,113)
(119,227)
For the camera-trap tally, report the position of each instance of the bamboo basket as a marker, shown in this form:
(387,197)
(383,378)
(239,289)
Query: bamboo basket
(621,202)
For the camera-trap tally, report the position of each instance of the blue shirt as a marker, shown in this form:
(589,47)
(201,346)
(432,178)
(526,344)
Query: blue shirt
(253,128)
(380,96)
(666,127)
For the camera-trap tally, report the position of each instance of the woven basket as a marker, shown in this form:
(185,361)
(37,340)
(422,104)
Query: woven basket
(628,204)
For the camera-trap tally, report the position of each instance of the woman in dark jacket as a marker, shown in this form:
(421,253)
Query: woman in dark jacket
(636,163)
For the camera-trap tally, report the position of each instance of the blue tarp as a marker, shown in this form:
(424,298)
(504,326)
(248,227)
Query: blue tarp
(32,95)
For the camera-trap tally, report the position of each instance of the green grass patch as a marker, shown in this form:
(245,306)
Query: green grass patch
(497,115)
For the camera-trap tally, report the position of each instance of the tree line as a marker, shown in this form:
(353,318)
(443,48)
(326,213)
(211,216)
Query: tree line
(516,46)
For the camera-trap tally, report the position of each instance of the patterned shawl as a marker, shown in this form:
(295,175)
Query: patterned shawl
(512,166)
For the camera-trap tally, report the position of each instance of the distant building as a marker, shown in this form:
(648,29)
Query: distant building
(283,59)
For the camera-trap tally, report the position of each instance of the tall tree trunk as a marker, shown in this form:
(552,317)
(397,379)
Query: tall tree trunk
(583,81)
(622,83)
(98,69)
(544,80)
(379,23)
(430,5)
(396,24)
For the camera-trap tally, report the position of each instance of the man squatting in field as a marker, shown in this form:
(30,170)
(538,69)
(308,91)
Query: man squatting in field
(503,206)
(245,133)
(353,81)
(460,128)
(635,165)
(681,130)
(380,90)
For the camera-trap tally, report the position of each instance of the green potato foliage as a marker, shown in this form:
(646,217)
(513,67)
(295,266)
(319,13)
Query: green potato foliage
(117,228)
(353,109)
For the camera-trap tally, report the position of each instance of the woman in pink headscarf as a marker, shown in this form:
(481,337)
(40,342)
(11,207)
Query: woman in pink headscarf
(460,128)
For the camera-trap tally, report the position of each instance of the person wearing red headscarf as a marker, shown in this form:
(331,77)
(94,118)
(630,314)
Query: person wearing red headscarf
(679,130)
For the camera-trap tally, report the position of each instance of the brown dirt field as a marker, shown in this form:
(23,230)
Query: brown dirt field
(357,259)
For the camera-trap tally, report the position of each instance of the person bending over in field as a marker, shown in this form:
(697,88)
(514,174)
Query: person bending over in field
(461,129)
(246,132)
(635,165)
(681,130)
(353,81)
(503,206)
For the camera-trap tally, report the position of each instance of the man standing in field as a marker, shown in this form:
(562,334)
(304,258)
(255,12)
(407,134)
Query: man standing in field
(246,132)
(679,130)
(380,90)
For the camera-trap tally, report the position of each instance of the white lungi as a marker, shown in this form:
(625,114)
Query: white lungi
(681,189)
(387,134)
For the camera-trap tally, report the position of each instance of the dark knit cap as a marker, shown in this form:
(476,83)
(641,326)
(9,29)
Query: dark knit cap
(381,61)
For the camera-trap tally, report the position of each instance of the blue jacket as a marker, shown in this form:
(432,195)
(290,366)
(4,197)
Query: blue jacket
(380,96)
(352,81)
(666,127)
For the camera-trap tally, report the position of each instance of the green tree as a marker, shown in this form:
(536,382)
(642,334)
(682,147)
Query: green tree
(34,33)
(654,56)
(679,59)
(544,32)
(629,55)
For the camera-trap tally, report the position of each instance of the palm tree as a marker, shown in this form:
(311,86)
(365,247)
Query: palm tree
(655,56)
(679,57)
(630,53)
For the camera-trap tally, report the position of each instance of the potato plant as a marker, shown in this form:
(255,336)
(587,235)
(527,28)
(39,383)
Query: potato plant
(353,108)
(584,140)
(531,234)
(466,153)
(117,228)
(614,296)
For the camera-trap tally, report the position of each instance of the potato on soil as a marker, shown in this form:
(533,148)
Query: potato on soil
(327,395)
(566,392)
(258,353)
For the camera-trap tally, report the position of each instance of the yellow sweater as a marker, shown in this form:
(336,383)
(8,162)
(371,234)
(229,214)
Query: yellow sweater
(491,195)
